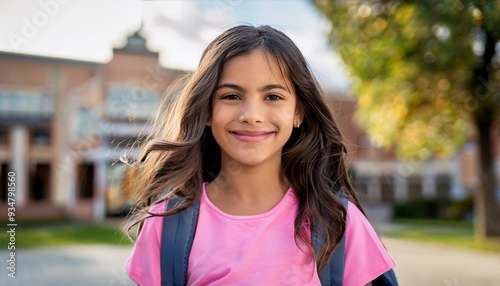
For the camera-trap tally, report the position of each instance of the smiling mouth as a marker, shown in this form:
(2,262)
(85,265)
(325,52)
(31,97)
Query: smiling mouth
(251,136)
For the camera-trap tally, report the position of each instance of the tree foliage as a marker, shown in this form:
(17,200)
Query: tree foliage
(427,75)
(413,64)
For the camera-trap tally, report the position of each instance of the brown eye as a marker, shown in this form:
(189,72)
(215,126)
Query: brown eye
(230,97)
(273,97)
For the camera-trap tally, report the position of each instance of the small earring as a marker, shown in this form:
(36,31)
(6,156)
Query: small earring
(297,125)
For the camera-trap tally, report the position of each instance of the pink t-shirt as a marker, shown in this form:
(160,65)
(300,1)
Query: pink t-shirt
(257,250)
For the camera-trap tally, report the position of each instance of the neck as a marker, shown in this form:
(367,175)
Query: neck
(250,183)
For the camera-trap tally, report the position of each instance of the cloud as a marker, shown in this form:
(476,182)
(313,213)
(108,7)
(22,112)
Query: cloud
(182,29)
(178,30)
(325,63)
(84,30)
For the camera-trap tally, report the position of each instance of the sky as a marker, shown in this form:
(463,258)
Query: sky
(179,30)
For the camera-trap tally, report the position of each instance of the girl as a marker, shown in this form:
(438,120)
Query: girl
(249,136)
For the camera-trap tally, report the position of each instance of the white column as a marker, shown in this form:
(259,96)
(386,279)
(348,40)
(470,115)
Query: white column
(99,203)
(457,189)
(20,151)
(64,158)
(71,184)
(401,188)
(64,188)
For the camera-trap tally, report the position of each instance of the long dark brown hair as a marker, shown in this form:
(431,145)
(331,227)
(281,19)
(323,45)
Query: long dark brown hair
(181,153)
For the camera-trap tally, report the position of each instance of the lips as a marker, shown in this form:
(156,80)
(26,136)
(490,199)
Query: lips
(251,136)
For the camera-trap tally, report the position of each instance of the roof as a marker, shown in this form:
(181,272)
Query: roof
(136,44)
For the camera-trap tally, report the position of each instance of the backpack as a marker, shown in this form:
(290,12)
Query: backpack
(176,245)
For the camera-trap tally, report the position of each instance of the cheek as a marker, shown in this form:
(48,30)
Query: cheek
(221,118)
(283,115)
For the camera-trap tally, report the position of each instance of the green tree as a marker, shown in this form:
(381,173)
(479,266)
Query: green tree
(427,73)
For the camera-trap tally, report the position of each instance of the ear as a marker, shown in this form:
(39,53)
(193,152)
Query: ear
(298,117)
(209,121)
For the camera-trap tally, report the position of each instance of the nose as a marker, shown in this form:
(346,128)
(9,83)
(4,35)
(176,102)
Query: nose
(251,112)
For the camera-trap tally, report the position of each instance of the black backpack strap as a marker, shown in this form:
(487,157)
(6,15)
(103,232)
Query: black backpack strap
(178,235)
(333,273)
(176,242)
(386,279)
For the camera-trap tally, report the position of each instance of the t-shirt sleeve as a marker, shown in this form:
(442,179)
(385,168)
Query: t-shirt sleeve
(143,265)
(365,256)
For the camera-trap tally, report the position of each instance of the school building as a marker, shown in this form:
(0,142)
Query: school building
(64,124)
(380,176)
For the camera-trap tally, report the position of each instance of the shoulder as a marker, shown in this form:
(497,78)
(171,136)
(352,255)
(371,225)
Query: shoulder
(366,257)
(143,265)
(153,225)
(356,219)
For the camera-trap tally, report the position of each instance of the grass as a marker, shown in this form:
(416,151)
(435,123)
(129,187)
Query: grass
(62,233)
(30,235)
(449,232)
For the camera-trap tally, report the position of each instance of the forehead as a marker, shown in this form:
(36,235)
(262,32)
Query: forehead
(257,65)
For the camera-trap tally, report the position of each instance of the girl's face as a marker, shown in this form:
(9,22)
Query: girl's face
(254,109)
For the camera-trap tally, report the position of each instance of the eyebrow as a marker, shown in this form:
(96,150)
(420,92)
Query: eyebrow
(242,89)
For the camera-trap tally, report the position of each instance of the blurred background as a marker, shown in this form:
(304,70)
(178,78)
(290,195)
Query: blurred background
(414,86)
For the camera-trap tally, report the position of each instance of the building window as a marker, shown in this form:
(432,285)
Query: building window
(361,183)
(443,186)
(387,187)
(130,103)
(4,137)
(26,103)
(86,181)
(3,178)
(41,137)
(415,187)
(40,182)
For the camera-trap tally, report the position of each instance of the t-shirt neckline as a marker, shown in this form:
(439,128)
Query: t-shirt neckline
(286,200)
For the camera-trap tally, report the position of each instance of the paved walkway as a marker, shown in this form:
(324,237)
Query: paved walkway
(417,264)
(430,264)
(86,265)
